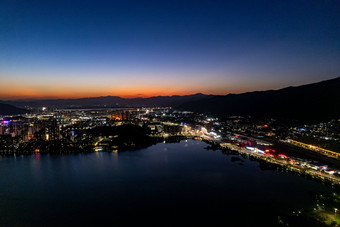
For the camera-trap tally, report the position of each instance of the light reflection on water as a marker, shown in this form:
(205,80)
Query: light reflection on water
(168,182)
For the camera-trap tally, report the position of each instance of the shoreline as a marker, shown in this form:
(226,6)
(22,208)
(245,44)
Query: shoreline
(223,147)
(233,149)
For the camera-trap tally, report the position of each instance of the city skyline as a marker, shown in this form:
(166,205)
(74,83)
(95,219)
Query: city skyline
(135,49)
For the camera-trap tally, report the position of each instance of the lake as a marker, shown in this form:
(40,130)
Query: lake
(165,184)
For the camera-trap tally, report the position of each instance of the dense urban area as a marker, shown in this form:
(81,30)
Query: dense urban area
(47,130)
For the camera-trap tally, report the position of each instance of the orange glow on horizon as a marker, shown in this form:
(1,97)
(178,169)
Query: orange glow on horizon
(13,91)
(126,86)
(79,94)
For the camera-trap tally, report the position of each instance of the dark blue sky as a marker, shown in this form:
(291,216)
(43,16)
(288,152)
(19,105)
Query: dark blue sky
(143,48)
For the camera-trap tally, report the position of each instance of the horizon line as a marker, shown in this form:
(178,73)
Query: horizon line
(151,96)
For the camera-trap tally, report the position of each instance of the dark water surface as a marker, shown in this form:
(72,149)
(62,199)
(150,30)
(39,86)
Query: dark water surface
(166,184)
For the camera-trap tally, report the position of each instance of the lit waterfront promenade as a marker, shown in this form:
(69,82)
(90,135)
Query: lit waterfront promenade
(285,162)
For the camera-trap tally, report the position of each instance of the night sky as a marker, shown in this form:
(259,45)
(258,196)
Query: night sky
(51,49)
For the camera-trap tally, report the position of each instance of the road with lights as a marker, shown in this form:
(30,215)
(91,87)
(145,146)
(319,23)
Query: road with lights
(284,161)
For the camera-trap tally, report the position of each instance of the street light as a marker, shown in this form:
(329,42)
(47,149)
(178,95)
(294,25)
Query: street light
(335,210)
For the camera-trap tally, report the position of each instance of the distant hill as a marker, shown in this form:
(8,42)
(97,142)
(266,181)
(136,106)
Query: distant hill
(6,109)
(312,102)
(112,101)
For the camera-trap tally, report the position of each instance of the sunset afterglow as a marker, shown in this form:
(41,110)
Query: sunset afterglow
(159,48)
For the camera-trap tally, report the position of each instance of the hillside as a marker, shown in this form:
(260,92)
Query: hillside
(6,109)
(112,101)
(317,101)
